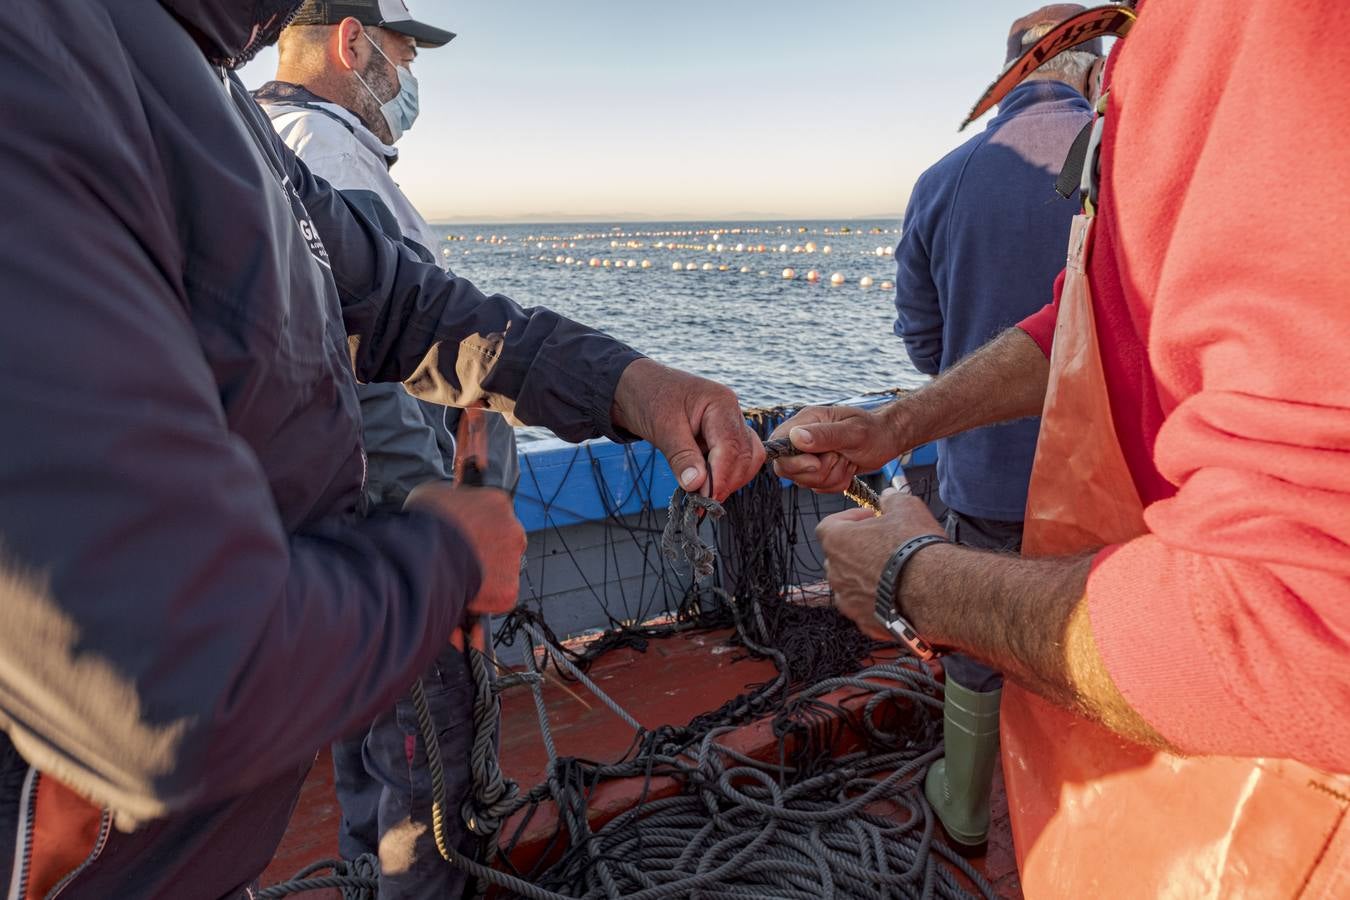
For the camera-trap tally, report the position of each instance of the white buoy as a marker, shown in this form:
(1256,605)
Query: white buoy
(763,272)
(789,273)
(677,267)
(631,264)
(813,276)
(782,248)
(558,259)
(691,267)
(606,263)
(837,278)
(886,286)
(810,246)
(745,270)
(445,251)
(865,281)
(825,249)
(613,244)
(882,251)
(740,248)
(568,260)
(710,247)
(721,247)
(708,267)
(646,264)
(595,262)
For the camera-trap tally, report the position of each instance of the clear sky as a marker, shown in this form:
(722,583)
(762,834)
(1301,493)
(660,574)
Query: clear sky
(597,109)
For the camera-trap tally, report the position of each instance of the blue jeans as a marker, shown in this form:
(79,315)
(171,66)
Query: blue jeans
(983,534)
(384,787)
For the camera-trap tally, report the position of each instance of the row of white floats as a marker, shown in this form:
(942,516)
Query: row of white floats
(788,274)
(616,232)
(808,247)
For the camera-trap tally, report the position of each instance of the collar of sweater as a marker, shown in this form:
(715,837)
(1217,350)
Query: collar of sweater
(1038,92)
(278,97)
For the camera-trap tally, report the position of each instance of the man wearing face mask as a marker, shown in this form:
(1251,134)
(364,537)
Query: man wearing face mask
(194,591)
(343,95)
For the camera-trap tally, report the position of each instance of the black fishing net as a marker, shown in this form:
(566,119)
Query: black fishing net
(800,825)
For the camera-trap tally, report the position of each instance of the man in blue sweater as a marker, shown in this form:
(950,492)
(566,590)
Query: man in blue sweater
(984,238)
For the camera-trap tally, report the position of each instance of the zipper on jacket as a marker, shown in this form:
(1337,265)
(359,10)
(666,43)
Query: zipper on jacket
(23,844)
(104,829)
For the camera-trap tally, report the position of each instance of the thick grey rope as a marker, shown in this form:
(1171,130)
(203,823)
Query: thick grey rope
(493,795)
(739,834)
(357,879)
(561,659)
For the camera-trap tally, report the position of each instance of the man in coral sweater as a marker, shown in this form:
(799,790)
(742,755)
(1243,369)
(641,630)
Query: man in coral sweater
(1219,273)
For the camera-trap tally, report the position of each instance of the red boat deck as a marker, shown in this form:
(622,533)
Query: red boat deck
(674,680)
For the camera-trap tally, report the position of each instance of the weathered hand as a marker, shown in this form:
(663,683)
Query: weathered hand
(857,545)
(837,442)
(686,416)
(488,522)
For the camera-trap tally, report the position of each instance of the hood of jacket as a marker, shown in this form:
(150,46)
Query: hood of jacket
(231,32)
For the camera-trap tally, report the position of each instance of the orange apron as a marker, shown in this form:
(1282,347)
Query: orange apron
(1094,815)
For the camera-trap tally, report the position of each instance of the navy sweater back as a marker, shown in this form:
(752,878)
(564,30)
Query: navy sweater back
(984,238)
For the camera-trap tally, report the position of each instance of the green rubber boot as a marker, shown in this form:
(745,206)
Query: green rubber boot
(958,784)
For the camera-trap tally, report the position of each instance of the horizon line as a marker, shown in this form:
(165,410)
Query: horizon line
(633,218)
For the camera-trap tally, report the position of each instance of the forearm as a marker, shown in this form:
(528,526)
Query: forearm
(1001,381)
(1027,618)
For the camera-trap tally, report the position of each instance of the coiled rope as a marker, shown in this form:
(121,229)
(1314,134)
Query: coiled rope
(743,827)
(357,879)
(740,827)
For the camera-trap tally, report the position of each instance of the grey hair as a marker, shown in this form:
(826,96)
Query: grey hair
(298,43)
(1070,66)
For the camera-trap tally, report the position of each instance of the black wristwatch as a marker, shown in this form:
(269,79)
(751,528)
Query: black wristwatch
(888,606)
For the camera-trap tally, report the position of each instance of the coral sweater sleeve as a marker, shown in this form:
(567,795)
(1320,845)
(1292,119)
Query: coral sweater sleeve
(1227,626)
(1040,325)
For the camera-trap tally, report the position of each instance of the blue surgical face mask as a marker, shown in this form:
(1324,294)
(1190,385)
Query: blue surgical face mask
(400,112)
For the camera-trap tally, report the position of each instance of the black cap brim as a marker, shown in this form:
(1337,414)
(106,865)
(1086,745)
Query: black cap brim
(425,35)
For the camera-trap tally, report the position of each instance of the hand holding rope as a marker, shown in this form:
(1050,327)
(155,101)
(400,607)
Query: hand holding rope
(680,538)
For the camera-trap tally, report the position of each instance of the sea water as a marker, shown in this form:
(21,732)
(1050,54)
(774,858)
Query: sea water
(774,340)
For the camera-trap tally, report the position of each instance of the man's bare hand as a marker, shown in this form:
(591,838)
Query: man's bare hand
(857,545)
(686,417)
(838,442)
(488,522)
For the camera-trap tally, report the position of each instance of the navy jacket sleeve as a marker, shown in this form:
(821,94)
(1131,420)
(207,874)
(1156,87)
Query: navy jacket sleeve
(918,314)
(412,321)
(165,642)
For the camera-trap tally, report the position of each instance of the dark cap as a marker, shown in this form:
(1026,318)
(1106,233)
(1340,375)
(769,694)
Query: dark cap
(391,14)
(1052,14)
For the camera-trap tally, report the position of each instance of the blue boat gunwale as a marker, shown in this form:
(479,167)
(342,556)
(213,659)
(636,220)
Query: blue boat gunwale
(565,484)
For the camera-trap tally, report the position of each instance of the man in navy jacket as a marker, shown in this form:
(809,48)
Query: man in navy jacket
(192,602)
(984,238)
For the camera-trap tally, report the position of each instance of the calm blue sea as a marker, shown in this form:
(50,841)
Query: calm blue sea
(773,340)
